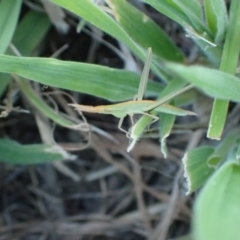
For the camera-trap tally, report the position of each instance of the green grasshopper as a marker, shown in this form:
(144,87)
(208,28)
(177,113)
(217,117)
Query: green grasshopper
(138,105)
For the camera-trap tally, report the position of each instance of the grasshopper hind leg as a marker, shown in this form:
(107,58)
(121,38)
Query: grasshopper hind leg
(128,133)
(120,126)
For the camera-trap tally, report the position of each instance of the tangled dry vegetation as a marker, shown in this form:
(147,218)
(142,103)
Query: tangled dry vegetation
(106,193)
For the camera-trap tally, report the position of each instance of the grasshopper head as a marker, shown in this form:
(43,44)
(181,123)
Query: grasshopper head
(83,108)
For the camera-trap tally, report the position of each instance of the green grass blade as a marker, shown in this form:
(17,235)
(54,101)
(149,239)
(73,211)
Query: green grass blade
(9,13)
(196,169)
(217,19)
(108,83)
(34,25)
(218,119)
(131,20)
(228,64)
(217,209)
(5,79)
(176,10)
(166,125)
(193,10)
(200,163)
(167,120)
(138,129)
(228,143)
(42,106)
(213,82)
(15,153)
(170,9)
(92,13)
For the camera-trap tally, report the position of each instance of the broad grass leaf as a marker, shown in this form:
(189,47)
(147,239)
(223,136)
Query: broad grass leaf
(217,210)
(176,10)
(131,20)
(200,163)
(215,83)
(218,119)
(36,101)
(183,12)
(228,143)
(193,10)
(94,14)
(34,25)
(217,19)
(9,13)
(108,83)
(170,9)
(229,62)
(196,168)
(15,153)
(167,120)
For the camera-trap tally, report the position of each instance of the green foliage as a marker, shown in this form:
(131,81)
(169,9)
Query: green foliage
(196,163)
(34,25)
(177,10)
(206,23)
(36,101)
(15,153)
(131,20)
(217,208)
(166,125)
(229,62)
(213,82)
(108,83)
(217,19)
(9,13)
(200,163)
(89,11)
